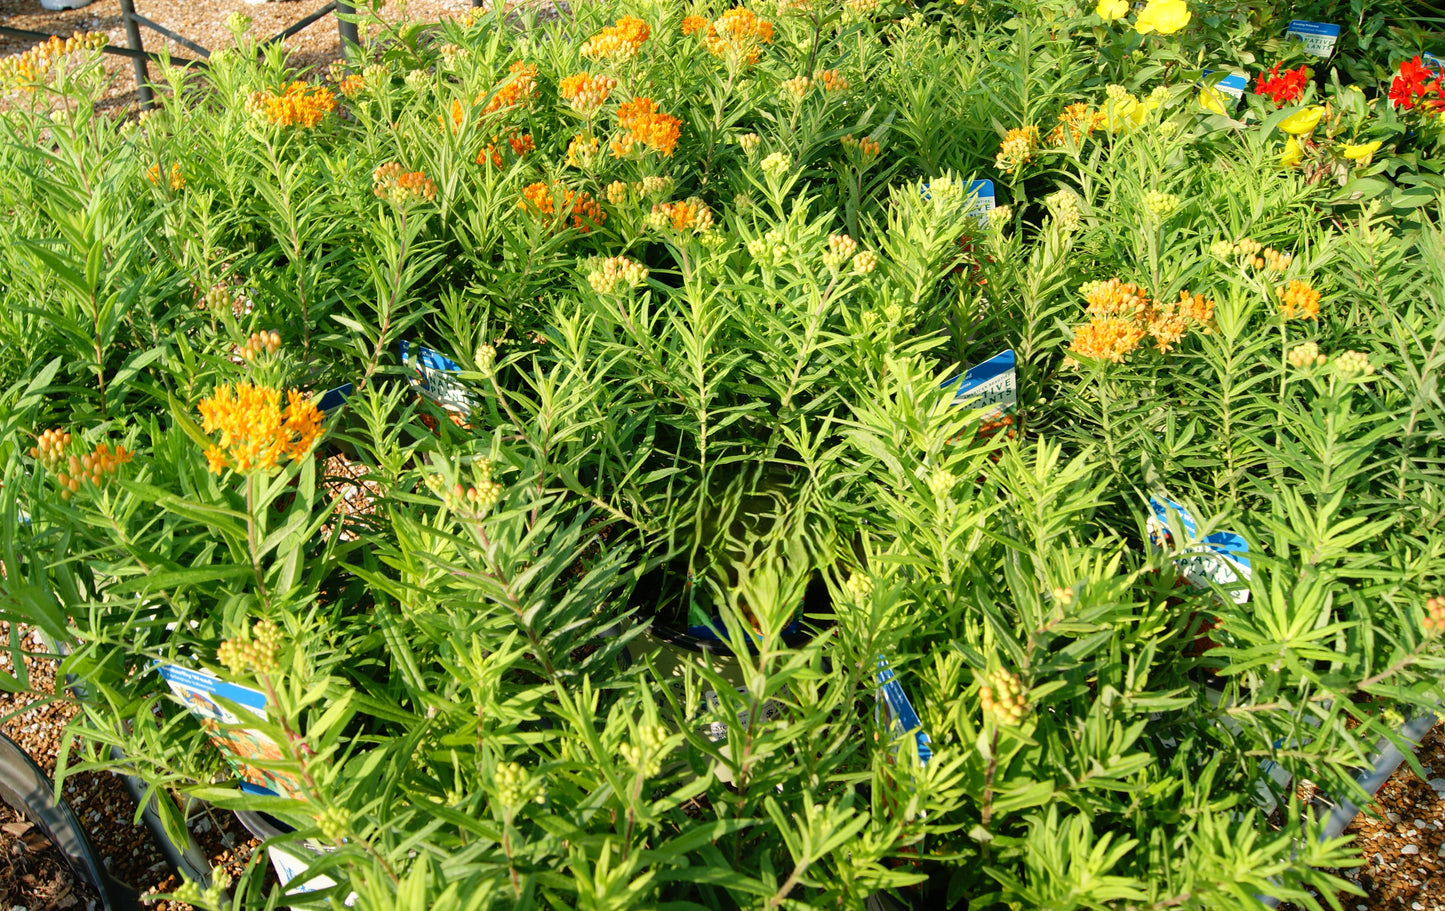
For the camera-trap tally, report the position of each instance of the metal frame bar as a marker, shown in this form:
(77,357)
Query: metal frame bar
(108,49)
(282,36)
(182,40)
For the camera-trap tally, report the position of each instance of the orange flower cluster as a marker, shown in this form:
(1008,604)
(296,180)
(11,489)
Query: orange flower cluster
(256,432)
(174,177)
(738,34)
(586,93)
(1076,123)
(1298,300)
(25,71)
(392,183)
(49,448)
(690,214)
(259,343)
(298,104)
(831,80)
(619,41)
(516,91)
(352,84)
(1434,621)
(521,144)
(1121,316)
(94,467)
(645,126)
(548,199)
(693,24)
(865,148)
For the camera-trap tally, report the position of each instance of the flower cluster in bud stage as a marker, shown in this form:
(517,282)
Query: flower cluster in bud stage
(859,587)
(351,85)
(586,93)
(516,786)
(174,179)
(864,150)
(608,273)
(71,470)
(646,755)
(1298,300)
(260,343)
(26,70)
(1002,696)
(256,432)
(1064,204)
(1434,622)
(334,823)
(257,653)
(776,164)
(477,498)
(519,88)
(521,144)
(1253,254)
(1305,355)
(296,104)
(1018,148)
(400,187)
(620,41)
(1349,364)
(1161,204)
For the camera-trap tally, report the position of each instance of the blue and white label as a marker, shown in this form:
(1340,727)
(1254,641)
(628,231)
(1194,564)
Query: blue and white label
(434,376)
(1233,84)
(332,399)
(896,712)
(290,865)
(992,384)
(1222,558)
(980,192)
(1435,63)
(1318,37)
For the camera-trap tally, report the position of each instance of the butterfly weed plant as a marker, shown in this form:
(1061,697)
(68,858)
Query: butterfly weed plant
(644,490)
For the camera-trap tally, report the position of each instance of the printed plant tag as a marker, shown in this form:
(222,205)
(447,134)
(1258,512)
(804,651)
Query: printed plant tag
(992,385)
(332,399)
(1221,558)
(896,714)
(1435,63)
(289,866)
(982,195)
(1318,37)
(1232,86)
(432,375)
(718,730)
(198,690)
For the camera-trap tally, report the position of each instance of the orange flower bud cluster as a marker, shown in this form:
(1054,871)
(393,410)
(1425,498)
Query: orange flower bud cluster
(865,149)
(617,42)
(297,104)
(352,84)
(1434,622)
(521,144)
(548,199)
(390,182)
(1017,150)
(27,70)
(1076,123)
(645,126)
(831,80)
(1002,696)
(49,448)
(586,93)
(582,151)
(616,270)
(737,35)
(1298,300)
(256,432)
(260,343)
(1253,253)
(174,178)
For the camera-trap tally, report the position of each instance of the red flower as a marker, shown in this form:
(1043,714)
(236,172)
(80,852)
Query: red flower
(1411,85)
(1283,88)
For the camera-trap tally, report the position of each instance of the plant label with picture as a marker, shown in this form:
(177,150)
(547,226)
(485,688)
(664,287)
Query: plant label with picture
(1318,37)
(433,377)
(718,730)
(896,714)
(992,385)
(288,866)
(1222,558)
(197,691)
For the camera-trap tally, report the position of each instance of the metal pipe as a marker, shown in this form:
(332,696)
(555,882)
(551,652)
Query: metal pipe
(133,40)
(350,40)
(282,36)
(182,40)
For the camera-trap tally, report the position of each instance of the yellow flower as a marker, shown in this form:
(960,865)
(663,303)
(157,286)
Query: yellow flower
(1163,16)
(1109,10)
(1209,100)
(1293,154)
(1303,121)
(1361,152)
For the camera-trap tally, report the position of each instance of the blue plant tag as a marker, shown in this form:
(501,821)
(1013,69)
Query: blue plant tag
(1233,84)
(432,376)
(981,197)
(896,712)
(992,385)
(332,399)
(1221,558)
(1435,63)
(1318,37)
(198,691)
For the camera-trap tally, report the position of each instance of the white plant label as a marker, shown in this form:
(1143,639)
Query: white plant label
(433,375)
(1221,558)
(718,730)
